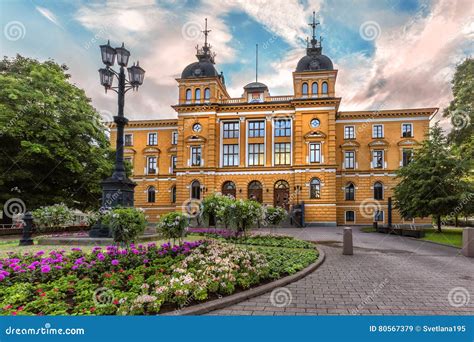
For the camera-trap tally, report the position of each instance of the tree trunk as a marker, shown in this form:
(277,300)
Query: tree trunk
(438,221)
(456,220)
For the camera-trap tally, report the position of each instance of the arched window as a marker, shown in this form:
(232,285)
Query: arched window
(196,190)
(314,88)
(188,94)
(255,191)
(304,89)
(173,194)
(378,191)
(228,189)
(197,95)
(315,188)
(207,94)
(325,88)
(151,194)
(281,184)
(350,192)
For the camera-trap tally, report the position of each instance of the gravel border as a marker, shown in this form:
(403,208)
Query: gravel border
(220,303)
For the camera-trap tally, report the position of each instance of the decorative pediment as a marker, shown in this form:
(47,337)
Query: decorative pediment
(129,151)
(408,142)
(153,150)
(172,149)
(350,144)
(315,135)
(195,138)
(378,143)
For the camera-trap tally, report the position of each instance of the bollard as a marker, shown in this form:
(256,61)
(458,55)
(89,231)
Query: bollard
(27,230)
(468,242)
(347,248)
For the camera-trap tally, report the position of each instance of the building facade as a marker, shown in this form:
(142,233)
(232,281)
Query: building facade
(278,150)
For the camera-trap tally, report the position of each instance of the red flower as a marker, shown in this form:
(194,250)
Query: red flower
(115,301)
(42,294)
(92,309)
(14,313)
(8,307)
(20,308)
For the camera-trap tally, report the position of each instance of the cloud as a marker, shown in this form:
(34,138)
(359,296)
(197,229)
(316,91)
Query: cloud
(48,15)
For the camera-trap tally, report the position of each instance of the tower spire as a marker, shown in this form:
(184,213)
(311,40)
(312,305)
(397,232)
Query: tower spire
(256,62)
(206,32)
(313,25)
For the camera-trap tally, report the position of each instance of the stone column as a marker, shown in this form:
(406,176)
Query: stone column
(468,242)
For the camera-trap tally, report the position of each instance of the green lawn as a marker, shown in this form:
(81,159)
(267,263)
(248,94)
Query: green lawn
(448,236)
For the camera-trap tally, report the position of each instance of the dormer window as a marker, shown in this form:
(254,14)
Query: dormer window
(325,88)
(304,89)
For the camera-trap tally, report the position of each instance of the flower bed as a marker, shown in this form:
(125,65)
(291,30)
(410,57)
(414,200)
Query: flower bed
(211,232)
(143,279)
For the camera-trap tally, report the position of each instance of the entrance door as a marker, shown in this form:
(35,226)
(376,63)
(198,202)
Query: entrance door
(281,195)
(255,191)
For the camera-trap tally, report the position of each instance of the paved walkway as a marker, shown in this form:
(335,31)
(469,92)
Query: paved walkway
(387,275)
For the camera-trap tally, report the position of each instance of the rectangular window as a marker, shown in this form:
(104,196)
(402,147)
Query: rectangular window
(256,129)
(174,138)
(231,129)
(377,131)
(152,139)
(407,130)
(407,155)
(282,154)
(230,155)
(315,153)
(195,155)
(349,159)
(256,154)
(173,163)
(151,165)
(350,216)
(128,139)
(283,128)
(349,132)
(377,159)
(378,216)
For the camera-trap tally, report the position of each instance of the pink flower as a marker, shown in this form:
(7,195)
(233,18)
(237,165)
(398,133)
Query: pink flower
(100,256)
(45,269)
(115,262)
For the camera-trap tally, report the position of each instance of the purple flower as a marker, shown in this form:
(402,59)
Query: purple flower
(74,267)
(100,256)
(115,262)
(45,269)
(75,249)
(2,277)
(39,253)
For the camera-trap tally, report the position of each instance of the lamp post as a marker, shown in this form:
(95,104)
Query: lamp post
(118,189)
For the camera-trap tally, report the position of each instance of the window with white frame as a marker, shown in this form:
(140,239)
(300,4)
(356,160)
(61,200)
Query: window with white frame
(407,156)
(349,132)
(349,159)
(377,159)
(230,129)
(256,129)
(377,131)
(256,154)
(128,139)
(230,155)
(350,216)
(174,138)
(151,165)
(315,153)
(283,128)
(196,155)
(282,154)
(174,159)
(407,130)
(152,139)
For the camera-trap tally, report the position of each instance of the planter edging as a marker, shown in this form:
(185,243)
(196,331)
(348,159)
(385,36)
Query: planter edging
(221,303)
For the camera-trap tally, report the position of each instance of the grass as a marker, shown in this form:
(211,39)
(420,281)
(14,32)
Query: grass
(448,236)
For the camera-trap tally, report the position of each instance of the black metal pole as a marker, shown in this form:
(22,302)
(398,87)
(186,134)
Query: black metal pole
(120,121)
(389,212)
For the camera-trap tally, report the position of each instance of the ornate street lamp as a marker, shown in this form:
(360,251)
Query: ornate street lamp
(117,190)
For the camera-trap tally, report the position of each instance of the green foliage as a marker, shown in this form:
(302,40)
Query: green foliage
(127,224)
(432,183)
(172,225)
(214,206)
(273,241)
(275,215)
(52,134)
(53,216)
(244,213)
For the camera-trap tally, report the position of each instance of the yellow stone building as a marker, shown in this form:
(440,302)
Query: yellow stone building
(279,150)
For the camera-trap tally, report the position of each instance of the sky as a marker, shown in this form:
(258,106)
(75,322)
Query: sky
(389,54)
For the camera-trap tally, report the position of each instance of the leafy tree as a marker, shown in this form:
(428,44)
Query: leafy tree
(431,185)
(54,147)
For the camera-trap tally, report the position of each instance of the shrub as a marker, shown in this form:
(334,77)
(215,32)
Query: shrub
(214,206)
(53,216)
(275,215)
(244,213)
(172,225)
(126,224)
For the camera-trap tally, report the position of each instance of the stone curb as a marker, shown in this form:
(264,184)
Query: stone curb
(220,303)
(435,243)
